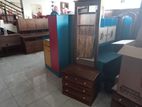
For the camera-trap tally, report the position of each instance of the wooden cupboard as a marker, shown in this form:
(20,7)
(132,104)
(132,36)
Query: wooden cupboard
(47,52)
(58,54)
(86,38)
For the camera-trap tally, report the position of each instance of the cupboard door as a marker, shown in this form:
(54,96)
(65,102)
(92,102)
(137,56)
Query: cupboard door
(86,18)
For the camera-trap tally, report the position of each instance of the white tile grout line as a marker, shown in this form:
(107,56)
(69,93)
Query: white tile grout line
(39,99)
(12,95)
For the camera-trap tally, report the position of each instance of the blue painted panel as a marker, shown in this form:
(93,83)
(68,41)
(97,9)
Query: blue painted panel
(63,40)
(127,25)
(106,22)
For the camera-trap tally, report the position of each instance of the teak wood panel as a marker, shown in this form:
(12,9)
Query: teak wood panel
(32,24)
(85,35)
(12,40)
(22,25)
(47,53)
(41,24)
(33,46)
(85,42)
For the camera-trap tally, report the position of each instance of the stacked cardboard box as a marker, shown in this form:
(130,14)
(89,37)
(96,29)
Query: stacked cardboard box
(130,81)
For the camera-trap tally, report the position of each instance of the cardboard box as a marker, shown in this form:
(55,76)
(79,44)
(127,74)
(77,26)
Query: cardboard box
(130,81)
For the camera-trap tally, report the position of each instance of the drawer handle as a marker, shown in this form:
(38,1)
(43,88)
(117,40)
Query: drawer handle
(84,83)
(83,98)
(120,100)
(66,77)
(83,91)
(66,84)
(67,90)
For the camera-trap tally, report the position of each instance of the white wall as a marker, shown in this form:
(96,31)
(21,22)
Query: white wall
(28,10)
(46,6)
(116,4)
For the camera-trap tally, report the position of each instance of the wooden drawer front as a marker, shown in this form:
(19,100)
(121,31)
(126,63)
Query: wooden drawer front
(116,104)
(124,101)
(46,43)
(78,88)
(10,41)
(78,96)
(47,56)
(47,49)
(29,49)
(79,81)
(33,46)
(29,43)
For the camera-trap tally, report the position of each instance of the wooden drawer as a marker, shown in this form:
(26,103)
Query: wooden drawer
(29,50)
(6,41)
(116,104)
(46,43)
(124,101)
(83,90)
(47,49)
(33,46)
(78,80)
(78,96)
(47,57)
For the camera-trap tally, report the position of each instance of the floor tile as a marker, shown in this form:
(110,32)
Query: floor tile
(3,86)
(38,80)
(39,103)
(9,103)
(73,103)
(20,87)
(56,99)
(102,100)
(45,88)
(15,79)
(4,95)
(27,79)
(33,72)
(27,98)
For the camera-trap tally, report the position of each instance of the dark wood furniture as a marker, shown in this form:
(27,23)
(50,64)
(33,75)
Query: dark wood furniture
(87,31)
(80,82)
(33,42)
(33,31)
(121,101)
(47,52)
(10,44)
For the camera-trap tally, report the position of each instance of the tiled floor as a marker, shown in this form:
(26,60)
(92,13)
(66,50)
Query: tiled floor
(25,82)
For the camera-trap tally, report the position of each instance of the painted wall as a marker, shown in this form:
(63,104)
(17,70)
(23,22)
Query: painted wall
(46,6)
(121,4)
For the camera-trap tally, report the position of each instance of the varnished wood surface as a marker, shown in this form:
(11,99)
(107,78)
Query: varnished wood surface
(83,71)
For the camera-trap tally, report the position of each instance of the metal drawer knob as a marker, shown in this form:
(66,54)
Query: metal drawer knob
(120,100)
(83,91)
(83,98)
(66,84)
(67,90)
(66,77)
(84,83)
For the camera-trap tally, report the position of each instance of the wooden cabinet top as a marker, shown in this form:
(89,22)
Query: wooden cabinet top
(82,71)
(34,35)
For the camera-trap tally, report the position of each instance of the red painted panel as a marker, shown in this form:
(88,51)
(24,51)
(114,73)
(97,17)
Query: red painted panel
(52,23)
